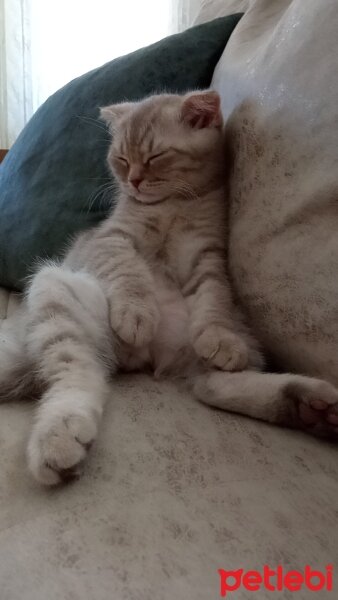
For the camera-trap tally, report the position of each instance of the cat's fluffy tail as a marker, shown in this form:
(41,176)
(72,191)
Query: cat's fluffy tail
(17,378)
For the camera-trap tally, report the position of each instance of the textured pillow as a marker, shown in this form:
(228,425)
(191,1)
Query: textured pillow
(278,81)
(54,180)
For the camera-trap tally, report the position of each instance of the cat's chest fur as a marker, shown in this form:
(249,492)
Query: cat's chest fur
(159,240)
(160,234)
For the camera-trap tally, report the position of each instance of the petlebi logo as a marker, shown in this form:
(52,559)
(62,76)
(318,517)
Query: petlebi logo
(276,579)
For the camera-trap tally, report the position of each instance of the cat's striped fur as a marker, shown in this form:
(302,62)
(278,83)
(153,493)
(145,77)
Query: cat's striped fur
(145,289)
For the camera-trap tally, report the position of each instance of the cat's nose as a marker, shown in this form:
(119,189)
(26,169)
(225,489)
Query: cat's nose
(136,182)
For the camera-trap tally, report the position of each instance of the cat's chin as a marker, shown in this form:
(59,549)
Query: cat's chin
(143,198)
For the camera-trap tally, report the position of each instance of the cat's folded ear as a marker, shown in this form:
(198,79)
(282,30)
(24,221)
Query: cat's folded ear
(112,114)
(202,109)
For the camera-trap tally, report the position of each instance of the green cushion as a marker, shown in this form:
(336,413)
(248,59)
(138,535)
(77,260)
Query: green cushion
(54,181)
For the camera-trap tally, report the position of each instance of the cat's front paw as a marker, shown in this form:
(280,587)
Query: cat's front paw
(222,349)
(135,321)
(58,447)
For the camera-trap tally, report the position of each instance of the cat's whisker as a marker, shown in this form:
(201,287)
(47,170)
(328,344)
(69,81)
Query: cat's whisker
(185,189)
(92,121)
(103,190)
(96,178)
(97,124)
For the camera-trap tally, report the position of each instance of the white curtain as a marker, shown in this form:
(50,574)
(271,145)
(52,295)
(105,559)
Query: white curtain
(185,12)
(46,43)
(15,70)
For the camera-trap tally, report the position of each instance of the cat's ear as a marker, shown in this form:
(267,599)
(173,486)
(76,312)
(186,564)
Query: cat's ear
(202,109)
(113,113)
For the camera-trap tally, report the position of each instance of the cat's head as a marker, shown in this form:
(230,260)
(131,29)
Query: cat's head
(166,145)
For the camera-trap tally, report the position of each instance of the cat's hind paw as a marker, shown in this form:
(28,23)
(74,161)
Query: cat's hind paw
(58,447)
(315,407)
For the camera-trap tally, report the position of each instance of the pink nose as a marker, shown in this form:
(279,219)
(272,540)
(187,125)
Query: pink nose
(136,182)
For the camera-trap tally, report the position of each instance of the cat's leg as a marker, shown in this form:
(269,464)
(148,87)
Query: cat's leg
(289,400)
(68,338)
(128,283)
(218,333)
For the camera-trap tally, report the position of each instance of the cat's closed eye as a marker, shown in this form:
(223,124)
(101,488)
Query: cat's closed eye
(152,159)
(122,160)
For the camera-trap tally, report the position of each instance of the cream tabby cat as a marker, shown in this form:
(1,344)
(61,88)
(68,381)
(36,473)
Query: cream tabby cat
(147,289)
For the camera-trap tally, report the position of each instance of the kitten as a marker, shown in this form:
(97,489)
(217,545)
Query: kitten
(147,289)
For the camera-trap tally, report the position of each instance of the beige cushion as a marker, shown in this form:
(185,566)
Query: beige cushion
(279,87)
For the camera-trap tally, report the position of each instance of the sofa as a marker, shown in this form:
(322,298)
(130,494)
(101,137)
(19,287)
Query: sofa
(175,491)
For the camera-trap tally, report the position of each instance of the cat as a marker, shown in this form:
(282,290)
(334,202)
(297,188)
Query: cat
(148,289)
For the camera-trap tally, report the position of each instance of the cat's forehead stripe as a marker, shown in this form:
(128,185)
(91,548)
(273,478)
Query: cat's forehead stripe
(144,127)
(139,134)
